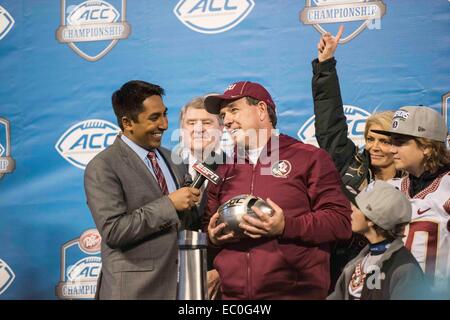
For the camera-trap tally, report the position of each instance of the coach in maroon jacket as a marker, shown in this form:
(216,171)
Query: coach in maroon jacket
(286,255)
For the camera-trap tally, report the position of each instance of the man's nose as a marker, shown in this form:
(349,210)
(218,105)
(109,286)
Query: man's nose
(227,120)
(163,124)
(198,126)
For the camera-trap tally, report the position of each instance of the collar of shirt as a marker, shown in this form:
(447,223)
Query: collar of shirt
(141,152)
(253,154)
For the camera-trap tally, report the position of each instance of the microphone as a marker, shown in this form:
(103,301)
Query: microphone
(206,171)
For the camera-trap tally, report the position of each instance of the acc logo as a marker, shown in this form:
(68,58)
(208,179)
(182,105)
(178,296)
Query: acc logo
(92,21)
(212,16)
(84,140)
(7,163)
(281,169)
(6,276)
(445,114)
(356,121)
(79,272)
(319,12)
(6,22)
(85,269)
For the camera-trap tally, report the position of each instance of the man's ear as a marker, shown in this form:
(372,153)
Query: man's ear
(127,123)
(262,110)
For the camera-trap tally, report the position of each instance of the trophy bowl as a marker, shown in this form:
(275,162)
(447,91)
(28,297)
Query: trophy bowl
(231,212)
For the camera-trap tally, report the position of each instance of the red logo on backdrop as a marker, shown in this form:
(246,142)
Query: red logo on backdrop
(90,241)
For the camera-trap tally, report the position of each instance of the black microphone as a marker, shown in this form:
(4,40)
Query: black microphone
(206,170)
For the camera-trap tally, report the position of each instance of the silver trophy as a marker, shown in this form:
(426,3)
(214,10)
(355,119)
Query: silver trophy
(231,212)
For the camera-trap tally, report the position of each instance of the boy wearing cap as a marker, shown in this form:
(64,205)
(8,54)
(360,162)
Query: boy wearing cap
(418,137)
(285,255)
(385,269)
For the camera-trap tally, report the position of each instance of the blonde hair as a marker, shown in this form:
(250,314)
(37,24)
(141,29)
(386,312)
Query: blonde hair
(438,157)
(382,119)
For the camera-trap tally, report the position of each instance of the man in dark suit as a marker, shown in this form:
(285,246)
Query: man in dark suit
(136,196)
(201,134)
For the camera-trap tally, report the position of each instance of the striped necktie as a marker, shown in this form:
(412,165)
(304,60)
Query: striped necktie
(158,172)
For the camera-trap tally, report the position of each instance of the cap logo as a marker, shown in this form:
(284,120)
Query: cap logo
(395,124)
(368,207)
(421,129)
(231,87)
(401,114)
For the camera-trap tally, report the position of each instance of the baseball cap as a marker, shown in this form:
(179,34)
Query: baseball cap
(384,204)
(236,91)
(417,121)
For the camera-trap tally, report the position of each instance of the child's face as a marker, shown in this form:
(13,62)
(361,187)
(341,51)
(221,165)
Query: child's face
(359,222)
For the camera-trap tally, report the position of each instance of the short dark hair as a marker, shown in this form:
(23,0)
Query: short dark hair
(272,115)
(127,101)
(397,232)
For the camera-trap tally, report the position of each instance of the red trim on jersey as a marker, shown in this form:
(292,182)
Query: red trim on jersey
(432,229)
(422,194)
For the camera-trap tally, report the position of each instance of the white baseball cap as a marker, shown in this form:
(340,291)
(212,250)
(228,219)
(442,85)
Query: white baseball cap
(418,121)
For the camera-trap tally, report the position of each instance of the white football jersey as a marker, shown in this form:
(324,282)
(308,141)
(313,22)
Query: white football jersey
(428,234)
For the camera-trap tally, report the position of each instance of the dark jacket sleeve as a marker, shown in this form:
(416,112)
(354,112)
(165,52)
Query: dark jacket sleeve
(107,202)
(408,283)
(330,121)
(329,219)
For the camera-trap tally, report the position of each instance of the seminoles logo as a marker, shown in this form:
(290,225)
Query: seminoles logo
(356,121)
(319,12)
(281,169)
(445,113)
(84,24)
(212,16)
(6,22)
(79,272)
(6,276)
(84,140)
(7,163)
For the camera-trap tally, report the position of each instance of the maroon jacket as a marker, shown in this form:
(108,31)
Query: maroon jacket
(295,265)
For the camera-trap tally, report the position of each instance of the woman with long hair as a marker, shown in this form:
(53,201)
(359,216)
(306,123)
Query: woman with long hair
(357,167)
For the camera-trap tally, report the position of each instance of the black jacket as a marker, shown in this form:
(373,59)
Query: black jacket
(332,131)
(352,164)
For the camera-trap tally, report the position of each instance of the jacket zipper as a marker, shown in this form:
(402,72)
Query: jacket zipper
(253,178)
(249,279)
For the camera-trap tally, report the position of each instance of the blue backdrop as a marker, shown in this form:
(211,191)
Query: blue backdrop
(60,61)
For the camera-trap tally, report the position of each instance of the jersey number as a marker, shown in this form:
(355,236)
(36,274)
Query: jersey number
(431,228)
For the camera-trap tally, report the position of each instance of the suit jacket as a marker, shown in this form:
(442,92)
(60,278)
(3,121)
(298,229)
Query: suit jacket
(138,225)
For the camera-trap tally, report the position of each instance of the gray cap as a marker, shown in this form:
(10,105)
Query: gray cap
(418,121)
(385,205)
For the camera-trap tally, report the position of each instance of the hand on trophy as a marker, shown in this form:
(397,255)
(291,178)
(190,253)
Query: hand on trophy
(266,225)
(216,233)
(328,44)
